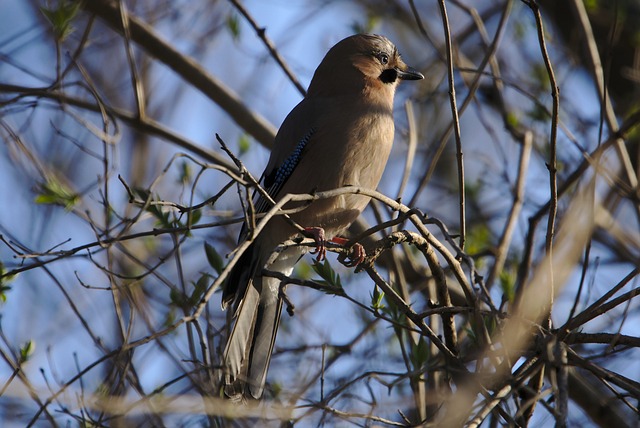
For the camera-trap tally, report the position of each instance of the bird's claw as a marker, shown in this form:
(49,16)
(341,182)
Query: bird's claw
(354,257)
(317,234)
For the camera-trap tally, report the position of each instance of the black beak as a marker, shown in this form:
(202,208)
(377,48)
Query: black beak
(409,74)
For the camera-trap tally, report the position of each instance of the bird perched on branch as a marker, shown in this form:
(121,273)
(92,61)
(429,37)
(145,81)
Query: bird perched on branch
(339,135)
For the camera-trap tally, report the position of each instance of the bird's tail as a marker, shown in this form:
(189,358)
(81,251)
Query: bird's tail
(249,347)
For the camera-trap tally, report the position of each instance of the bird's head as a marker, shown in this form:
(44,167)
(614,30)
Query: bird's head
(362,63)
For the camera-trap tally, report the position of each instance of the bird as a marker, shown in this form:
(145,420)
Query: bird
(339,135)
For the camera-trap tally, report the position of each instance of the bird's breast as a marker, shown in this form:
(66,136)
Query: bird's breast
(366,151)
(353,151)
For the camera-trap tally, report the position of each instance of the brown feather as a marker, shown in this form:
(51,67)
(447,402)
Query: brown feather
(348,117)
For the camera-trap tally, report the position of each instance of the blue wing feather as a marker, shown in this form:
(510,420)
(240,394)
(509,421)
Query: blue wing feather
(276,179)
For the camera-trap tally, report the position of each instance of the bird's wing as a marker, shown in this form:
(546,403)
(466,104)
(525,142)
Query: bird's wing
(277,177)
(257,303)
(295,134)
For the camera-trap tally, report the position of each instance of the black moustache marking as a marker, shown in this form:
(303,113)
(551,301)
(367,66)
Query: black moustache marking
(389,75)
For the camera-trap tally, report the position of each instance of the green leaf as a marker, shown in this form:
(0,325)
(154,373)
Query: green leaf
(244,144)
(177,298)
(54,192)
(185,173)
(592,6)
(538,113)
(326,272)
(102,390)
(519,30)
(508,284)
(512,119)
(4,280)
(141,193)
(199,288)
(196,215)
(420,354)
(214,259)
(540,75)
(491,323)
(3,292)
(61,18)
(171,318)
(479,238)
(471,333)
(162,218)
(368,26)
(303,270)
(233,25)
(393,311)
(27,350)
(376,299)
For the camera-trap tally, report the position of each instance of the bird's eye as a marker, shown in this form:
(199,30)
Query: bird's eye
(382,57)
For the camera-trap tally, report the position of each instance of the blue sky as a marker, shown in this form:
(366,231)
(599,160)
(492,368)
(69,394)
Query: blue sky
(303,32)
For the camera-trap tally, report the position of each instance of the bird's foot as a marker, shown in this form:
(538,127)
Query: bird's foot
(354,257)
(317,234)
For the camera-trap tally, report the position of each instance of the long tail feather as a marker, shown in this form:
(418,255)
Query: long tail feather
(257,317)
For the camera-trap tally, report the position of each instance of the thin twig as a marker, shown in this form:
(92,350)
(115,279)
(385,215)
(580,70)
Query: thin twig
(192,72)
(412,144)
(456,121)
(261,32)
(518,200)
(552,163)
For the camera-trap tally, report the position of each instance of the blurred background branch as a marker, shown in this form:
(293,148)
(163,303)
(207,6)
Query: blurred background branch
(120,213)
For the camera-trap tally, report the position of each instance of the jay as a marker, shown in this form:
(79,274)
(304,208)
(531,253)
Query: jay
(339,135)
